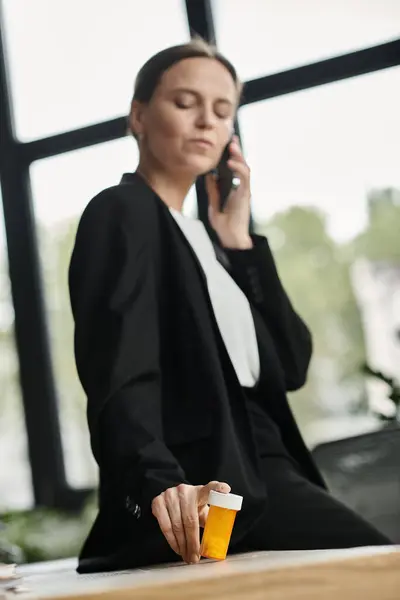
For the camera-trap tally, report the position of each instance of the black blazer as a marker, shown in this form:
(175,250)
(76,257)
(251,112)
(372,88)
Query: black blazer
(164,403)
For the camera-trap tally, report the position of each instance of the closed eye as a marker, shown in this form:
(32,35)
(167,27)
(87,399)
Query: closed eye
(187,99)
(223,114)
(223,109)
(184,105)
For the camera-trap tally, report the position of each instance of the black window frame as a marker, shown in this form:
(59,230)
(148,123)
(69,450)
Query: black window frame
(39,392)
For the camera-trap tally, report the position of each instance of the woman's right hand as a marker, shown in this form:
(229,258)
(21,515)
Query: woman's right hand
(180,512)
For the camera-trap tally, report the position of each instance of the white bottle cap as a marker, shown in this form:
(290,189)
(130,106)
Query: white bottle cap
(231,501)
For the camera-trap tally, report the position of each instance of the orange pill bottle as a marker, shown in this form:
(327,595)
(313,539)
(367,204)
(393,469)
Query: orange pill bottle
(219,525)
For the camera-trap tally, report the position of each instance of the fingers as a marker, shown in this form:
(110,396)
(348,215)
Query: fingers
(218,486)
(240,168)
(176,511)
(237,162)
(203,514)
(212,193)
(190,519)
(235,149)
(173,503)
(159,510)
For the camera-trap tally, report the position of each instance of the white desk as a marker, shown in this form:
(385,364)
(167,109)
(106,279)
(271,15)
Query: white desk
(364,573)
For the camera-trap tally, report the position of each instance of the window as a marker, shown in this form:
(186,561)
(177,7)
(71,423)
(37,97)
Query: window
(15,481)
(324,172)
(73,63)
(325,183)
(267,36)
(83,174)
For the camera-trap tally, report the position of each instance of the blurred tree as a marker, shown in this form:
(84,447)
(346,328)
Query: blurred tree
(56,244)
(8,366)
(381,239)
(316,276)
(9,369)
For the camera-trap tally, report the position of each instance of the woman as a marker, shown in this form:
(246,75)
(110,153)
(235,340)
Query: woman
(186,358)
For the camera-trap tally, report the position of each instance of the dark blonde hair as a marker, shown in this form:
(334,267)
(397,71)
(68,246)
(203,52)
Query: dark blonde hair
(151,72)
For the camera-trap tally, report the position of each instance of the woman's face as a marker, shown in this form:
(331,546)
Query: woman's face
(189,120)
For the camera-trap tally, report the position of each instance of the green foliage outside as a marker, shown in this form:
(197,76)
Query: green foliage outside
(316,273)
(42,534)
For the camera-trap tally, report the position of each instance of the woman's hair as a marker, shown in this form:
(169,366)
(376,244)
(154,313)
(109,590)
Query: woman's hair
(151,72)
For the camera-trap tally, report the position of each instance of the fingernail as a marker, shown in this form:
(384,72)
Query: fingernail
(194,559)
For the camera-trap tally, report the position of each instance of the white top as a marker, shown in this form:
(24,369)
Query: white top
(231,307)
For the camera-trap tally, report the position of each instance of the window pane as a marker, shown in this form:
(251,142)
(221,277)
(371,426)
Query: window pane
(325,170)
(58,208)
(73,62)
(266,36)
(15,476)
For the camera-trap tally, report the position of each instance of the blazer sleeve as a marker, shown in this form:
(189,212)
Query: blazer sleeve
(114,301)
(255,272)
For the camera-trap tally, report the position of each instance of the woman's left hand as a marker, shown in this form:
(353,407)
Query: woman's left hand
(232,224)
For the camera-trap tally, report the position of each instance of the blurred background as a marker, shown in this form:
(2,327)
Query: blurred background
(320,127)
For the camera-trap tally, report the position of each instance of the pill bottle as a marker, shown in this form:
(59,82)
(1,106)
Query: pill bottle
(219,525)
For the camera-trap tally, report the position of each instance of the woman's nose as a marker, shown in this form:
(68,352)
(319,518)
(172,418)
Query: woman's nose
(206,118)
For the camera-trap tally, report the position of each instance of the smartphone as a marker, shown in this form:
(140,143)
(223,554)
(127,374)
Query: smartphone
(224,176)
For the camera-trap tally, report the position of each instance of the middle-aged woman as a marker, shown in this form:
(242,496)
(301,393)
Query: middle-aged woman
(186,344)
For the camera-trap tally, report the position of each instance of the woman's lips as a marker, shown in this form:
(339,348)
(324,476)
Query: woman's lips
(202,143)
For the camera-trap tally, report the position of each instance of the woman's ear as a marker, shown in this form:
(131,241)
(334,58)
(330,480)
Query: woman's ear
(136,119)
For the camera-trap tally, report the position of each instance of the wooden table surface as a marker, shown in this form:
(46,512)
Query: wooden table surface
(361,573)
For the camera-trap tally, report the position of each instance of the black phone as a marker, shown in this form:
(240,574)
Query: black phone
(224,176)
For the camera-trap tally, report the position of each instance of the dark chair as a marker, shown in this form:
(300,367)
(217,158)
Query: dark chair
(364,473)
